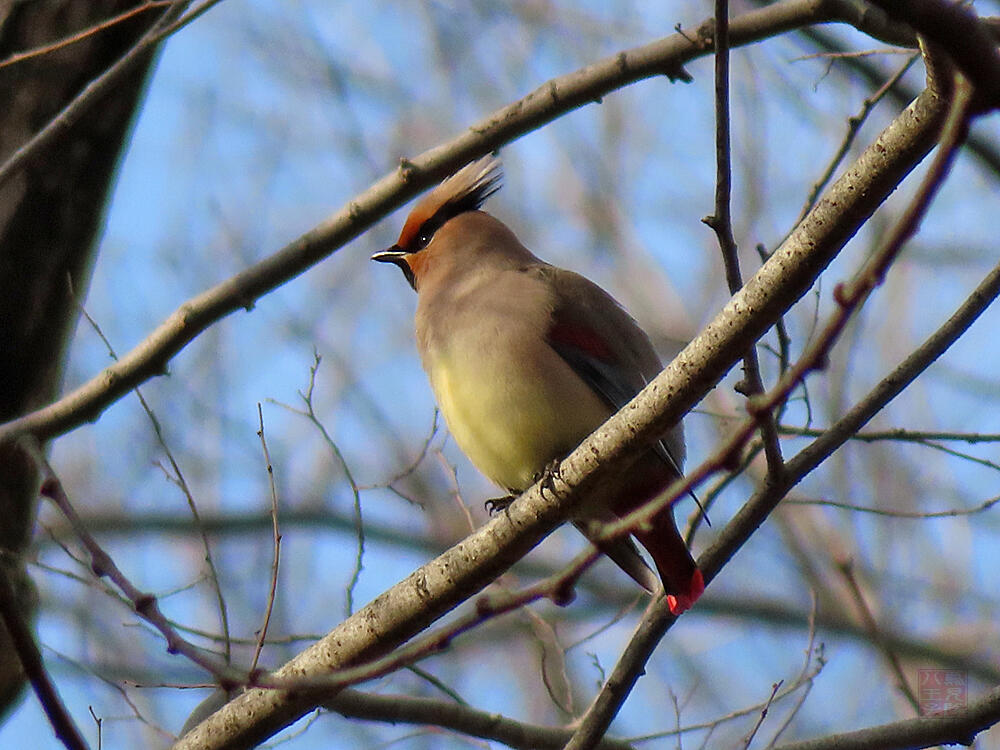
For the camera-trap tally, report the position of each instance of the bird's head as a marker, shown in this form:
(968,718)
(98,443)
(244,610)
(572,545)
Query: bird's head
(464,191)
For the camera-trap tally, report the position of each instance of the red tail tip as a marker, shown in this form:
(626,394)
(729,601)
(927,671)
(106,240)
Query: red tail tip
(682,602)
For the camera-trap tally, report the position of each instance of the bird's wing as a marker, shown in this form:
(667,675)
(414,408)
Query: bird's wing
(605,346)
(608,350)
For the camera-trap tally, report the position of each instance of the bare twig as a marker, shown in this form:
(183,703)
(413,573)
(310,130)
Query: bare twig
(25,648)
(901,434)
(89,31)
(144,604)
(276,535)
(721,223)
(422,454)
(654,623)
(802,685)
(762,716)
(100,723)
(853,128)
(359,526)
(808,671)
(918,515)
(875,633)
(175,476)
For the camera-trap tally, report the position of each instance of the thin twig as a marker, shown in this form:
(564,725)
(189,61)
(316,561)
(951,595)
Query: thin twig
(23,645)
(871,625)
(177,478)
(144,604)
(273,591)
(854,124)
(721,223)
(804,681)
(424,448)
(762,716)
(100,723)
(85,33)
(359,527)
(807,673)
(654,623)
(901,434)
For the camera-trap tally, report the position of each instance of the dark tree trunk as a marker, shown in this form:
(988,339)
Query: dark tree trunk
(51,213)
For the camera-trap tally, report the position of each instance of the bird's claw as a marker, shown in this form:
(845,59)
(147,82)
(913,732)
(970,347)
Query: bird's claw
(496,504)
(548,475)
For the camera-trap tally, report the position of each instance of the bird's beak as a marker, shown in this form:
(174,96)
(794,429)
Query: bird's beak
(397,256)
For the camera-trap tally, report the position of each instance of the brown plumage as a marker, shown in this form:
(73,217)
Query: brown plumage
(526,360)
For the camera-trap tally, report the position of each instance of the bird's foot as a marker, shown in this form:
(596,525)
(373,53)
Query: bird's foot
(496,504)
(548,476)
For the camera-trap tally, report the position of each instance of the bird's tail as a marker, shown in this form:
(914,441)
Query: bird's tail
(622,551)
(681,578)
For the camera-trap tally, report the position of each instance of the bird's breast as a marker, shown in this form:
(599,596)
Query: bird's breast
(511,402)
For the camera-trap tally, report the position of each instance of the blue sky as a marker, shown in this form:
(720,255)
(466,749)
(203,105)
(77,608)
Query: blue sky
(262,118)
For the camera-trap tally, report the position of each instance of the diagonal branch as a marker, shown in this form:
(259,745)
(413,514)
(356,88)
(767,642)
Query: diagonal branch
(27,651)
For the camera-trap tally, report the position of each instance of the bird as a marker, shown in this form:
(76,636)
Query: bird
(526,359)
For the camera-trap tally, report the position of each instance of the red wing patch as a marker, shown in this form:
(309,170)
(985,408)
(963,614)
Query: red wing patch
(583,339)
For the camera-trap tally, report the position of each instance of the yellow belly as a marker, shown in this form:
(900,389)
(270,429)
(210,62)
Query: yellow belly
(512,418)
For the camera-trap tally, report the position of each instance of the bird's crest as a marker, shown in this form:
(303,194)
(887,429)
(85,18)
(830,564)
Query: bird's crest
(466,190)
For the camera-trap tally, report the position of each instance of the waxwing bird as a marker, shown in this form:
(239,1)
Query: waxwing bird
(526,360)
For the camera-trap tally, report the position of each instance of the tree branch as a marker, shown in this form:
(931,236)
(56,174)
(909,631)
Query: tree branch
(958,728)
(956,28)
(23,644)
(469,721)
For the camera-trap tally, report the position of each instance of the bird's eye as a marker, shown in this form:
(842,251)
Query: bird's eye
(424,239)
